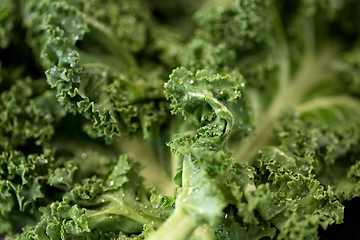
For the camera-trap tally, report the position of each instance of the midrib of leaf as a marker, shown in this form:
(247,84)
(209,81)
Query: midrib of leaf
(291,93)
(330,102)
(154,174)
(120,207)
(106,36)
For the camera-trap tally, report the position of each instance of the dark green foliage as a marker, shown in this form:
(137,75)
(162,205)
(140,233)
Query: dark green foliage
(137,119)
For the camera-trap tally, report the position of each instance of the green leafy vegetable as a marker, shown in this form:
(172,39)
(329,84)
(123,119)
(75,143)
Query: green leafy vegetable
(136,119)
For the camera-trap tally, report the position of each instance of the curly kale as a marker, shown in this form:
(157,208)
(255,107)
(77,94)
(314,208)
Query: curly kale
(139,119)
